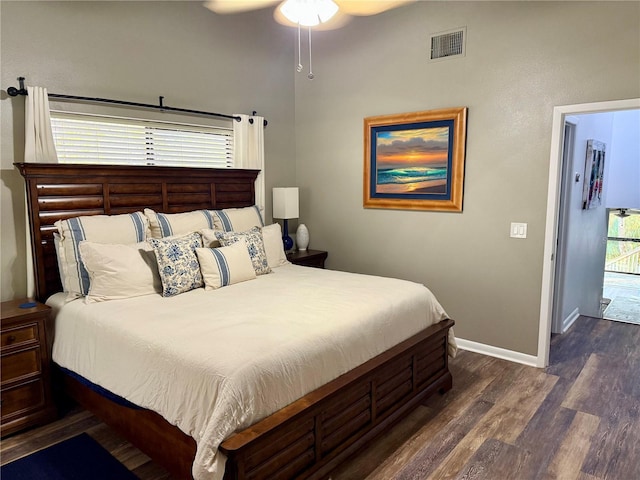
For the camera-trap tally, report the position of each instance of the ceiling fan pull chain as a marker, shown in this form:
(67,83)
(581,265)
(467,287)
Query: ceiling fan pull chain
(310,76)
(299,67)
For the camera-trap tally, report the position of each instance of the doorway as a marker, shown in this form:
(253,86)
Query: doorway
(551,246)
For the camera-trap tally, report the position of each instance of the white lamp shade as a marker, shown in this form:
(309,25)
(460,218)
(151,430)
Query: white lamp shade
(285,202)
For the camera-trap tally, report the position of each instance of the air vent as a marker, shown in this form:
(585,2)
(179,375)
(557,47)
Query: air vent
(448,44)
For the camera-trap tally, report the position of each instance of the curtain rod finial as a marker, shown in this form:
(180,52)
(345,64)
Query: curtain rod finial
(14,92)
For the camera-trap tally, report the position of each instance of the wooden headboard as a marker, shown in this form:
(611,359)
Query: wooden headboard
(60,191)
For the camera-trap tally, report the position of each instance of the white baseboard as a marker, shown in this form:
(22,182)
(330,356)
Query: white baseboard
(567,322)
(497,352)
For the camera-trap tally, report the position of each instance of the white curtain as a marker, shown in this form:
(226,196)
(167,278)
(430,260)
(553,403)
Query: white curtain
(38,147)
(248,148)
(38,139)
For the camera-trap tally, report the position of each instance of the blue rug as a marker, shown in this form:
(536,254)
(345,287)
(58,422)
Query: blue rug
(78,458)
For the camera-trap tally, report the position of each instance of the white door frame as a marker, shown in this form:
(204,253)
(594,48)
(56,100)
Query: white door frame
(553,199)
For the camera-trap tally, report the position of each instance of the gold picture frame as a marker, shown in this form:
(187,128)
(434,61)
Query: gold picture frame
(415,161)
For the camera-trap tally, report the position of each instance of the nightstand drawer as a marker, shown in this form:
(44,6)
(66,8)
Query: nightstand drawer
(21,364)
(19,336)
(22,398)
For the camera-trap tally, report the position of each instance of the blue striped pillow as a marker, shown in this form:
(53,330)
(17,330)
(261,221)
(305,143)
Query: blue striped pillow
(123,229)
(238,219)
(225,265)
(170,224)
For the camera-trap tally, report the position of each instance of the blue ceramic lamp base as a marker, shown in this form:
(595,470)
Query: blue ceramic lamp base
(287,241)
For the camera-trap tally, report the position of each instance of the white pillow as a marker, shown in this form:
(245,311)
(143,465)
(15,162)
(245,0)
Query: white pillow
(238,219)
(225,265)
(273,246)
(119,271)
(106,229)
(170,224)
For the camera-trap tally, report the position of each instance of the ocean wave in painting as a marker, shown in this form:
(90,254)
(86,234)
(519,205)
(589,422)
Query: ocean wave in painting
(410,175)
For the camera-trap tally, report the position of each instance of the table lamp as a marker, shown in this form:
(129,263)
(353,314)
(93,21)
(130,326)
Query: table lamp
(285,206)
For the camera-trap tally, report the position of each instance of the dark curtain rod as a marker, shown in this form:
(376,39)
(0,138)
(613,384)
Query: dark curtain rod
(14,92)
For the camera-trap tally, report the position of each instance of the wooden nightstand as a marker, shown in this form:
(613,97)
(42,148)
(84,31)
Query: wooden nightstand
(25,386)
(308,258)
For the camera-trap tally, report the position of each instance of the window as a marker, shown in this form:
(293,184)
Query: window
(81,138)
(623,243)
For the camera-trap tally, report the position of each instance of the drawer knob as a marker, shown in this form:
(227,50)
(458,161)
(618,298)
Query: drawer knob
(11,338)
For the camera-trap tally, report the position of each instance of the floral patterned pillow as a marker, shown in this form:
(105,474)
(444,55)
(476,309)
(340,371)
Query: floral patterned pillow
(177,263)
(255,245)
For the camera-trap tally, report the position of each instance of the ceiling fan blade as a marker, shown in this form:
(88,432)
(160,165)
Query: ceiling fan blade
(237,6)
(371,7)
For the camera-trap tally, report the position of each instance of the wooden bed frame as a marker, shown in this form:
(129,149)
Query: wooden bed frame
(306,439)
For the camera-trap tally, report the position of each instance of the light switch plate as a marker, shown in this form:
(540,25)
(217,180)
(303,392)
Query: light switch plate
(518,230)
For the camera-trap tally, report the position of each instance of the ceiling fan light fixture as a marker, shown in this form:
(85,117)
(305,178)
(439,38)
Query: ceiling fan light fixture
(308,13)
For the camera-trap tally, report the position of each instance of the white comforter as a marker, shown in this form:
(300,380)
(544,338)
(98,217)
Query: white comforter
(215,362)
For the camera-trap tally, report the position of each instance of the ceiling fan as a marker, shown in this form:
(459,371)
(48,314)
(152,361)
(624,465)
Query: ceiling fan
(288,12)
(313,14)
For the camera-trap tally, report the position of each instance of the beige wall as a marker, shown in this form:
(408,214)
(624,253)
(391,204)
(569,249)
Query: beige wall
(137,51)
(522,59)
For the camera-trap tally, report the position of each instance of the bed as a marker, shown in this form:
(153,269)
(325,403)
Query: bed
(306,437)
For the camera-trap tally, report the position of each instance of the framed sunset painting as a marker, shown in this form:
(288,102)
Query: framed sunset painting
(415,161)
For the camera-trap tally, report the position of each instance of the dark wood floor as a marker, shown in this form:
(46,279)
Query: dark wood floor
(578,419)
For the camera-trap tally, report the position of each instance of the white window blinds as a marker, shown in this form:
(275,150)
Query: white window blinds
(81,138)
